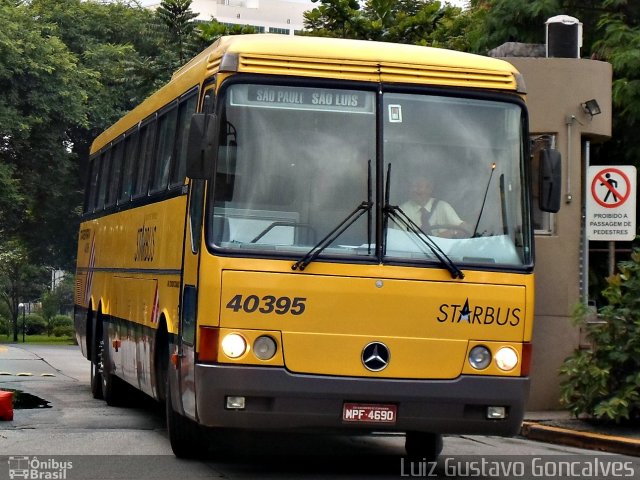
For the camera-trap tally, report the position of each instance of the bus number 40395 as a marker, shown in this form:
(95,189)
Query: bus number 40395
(268,304)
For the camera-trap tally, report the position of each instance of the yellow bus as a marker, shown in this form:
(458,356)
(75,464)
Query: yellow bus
(317,234)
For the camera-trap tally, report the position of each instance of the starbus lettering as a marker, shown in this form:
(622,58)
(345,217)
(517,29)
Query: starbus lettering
(480,314)
(146,243)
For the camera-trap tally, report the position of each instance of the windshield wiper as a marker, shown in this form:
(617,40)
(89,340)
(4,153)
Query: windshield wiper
(400,217)
(484,200)
(360,210)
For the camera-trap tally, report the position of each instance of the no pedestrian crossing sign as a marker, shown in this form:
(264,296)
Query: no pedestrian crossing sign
(611,203)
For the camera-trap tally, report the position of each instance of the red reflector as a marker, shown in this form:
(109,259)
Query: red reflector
(208,344)
(527,351)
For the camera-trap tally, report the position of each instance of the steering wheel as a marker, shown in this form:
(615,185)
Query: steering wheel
(449,231)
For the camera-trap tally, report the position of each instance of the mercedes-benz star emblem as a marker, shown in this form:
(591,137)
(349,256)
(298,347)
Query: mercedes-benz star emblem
(375,356)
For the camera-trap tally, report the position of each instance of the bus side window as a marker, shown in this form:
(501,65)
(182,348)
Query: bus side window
(116,173)
(179,168)
(164,150)
(144,159)
(130,154)
(105,166)
(92,185)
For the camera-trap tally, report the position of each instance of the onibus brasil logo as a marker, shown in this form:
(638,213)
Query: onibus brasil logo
(38,469)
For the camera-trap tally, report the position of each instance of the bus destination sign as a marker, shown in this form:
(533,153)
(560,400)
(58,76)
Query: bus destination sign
(303,98)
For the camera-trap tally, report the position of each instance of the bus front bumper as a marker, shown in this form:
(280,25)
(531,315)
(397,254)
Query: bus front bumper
(276,399)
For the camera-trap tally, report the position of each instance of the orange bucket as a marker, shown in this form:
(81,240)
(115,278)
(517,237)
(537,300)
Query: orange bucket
(6,405)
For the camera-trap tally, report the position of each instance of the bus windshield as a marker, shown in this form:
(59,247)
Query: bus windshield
(295,162)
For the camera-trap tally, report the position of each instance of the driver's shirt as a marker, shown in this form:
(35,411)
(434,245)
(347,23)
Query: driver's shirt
(441,214)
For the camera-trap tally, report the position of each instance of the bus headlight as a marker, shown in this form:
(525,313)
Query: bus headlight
(264,347)
(506,359)
(234,345)
(479,357)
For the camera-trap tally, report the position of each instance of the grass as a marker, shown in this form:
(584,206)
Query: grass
(39,339)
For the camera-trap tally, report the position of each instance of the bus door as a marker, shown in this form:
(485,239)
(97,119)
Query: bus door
(189,293)
(188,303)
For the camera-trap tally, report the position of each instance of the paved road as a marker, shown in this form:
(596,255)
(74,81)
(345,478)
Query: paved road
(94,441)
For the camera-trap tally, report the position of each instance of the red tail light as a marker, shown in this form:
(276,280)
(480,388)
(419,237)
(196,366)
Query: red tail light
(208,344)
(527,352)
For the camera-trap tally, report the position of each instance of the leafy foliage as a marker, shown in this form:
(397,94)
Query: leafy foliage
(34,324)
(206,33)
(333,18)
(176,17)
(60,326)
(604,382)
(419,22)
(20,279)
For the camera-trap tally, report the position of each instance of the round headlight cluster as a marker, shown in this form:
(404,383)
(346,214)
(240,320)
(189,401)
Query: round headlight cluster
(506,358)
(480,357)
(235,346)
(264,347)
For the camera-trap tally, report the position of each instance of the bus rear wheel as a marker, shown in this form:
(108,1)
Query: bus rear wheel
(186,437)
(113,389)
(423,445)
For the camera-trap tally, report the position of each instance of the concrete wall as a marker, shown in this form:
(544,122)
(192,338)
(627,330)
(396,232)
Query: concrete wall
(556,88)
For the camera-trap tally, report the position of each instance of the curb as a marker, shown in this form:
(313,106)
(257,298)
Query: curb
(575,438)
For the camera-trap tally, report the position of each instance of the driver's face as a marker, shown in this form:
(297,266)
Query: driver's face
(420,190)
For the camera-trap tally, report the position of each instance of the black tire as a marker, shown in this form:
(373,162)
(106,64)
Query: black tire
(161,361)
(97,363)
(186,437)
(113,388)
(423,446)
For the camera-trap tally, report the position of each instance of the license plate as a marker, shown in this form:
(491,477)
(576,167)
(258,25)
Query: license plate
(369,413)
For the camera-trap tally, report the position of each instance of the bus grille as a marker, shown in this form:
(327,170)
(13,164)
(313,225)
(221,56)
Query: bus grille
(371,71)
(213,64)
(310,67)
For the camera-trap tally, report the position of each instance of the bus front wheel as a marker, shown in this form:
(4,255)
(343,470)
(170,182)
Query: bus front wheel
(423,445)
(185,436)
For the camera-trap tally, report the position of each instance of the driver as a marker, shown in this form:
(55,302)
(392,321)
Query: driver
(432,215)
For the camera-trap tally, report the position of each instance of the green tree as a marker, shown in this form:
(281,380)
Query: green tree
(42,94)
(57,301)
(604,382)
(68,70)
(334,18)
(419,22)
(20,280)
(177,17)
(207,33)
(11,200)
(619,44)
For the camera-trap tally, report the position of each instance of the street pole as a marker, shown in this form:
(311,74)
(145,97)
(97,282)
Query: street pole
(23,307)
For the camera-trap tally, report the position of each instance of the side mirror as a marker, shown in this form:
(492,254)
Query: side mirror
(201,151)
(550,180)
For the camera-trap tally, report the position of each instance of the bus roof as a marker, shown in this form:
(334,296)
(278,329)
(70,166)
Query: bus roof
(322,57)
